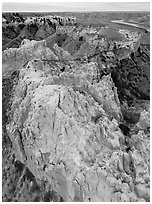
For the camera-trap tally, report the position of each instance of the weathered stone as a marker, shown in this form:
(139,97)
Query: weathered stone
(144,120)
(55,122)
(66,123)
(142,191)
(15,58)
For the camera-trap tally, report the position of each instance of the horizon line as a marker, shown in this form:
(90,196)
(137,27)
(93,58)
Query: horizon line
(74,6)
(75,11)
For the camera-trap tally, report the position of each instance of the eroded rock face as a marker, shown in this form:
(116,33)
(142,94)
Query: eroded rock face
(62,131)
(132,76)
(43,32)
(66,122)
(15,58)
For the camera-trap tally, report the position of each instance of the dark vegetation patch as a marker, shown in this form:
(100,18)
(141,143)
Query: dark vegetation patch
(60,39)
(131,77)
(7,88)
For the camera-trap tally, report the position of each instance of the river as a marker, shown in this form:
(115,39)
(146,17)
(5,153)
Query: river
(130,24)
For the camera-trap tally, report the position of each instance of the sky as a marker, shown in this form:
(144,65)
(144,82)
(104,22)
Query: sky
(75,6)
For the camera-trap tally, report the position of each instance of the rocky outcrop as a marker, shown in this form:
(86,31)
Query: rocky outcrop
(15,58)
(17,180)
(63,131)
(78,116)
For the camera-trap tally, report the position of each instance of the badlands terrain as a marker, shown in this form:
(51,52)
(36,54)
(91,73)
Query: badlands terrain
(76,107)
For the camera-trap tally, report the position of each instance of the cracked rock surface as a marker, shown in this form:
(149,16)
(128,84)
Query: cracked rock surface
(66,131)
(76,119)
